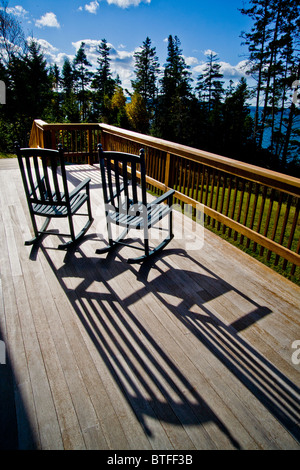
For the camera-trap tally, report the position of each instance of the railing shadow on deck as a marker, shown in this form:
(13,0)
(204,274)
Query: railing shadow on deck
(163,377)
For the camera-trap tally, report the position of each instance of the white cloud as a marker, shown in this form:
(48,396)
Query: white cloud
(227,70)
(127,3)
(92,7)
(190,61)
(46,47)
(121,61)
(49,19)
(51,53)
(18,10)
(232,71)
(209,52)
(90,48)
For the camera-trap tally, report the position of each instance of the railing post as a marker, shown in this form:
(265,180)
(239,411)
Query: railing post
(103,139)
(188,169)
(167,169)
(90,146)
(53,139)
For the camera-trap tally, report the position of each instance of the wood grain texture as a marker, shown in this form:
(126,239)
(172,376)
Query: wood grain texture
(192,351)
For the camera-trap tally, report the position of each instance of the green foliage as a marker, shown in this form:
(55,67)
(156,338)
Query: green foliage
(137,114)
(146,72)
(273,43)
(167,103)
(28,96)
(102,83)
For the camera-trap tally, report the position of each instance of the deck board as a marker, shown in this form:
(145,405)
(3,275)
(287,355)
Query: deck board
(192,351)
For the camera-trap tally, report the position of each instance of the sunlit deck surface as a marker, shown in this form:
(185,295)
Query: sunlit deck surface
(192,351)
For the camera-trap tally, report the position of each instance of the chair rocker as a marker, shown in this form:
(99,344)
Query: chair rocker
(45,184)
(120,173)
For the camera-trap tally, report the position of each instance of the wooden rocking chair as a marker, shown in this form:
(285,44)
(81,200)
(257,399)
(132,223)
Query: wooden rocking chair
(45,184)
(120,173)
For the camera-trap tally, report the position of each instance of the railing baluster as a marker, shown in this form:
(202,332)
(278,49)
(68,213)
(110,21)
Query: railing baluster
(223,185)
(283,226)
(239,214)
(262,206)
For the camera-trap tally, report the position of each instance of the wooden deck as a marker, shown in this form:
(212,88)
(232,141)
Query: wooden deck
(191,352)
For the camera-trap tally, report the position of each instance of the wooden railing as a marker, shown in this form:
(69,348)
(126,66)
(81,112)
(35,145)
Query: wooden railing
(79,140)
(253,207)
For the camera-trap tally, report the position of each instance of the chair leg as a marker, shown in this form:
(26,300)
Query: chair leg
(112,243)
(75,239)
(38,233)
(148,254)
(151,253)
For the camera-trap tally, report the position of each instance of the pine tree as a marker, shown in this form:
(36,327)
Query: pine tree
(55,111)
(38,82)
(237,131)
(257,41)
(209,83)
(103,82)
(146,71)
(67,78)
(29,91)
(172,120)
(70,109)
(82,77)
(274,57)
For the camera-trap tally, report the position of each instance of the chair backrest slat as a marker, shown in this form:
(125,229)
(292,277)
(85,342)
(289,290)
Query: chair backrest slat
(47,185)
(118,187)
(134,182)
(41,179)
(118,181)
(110,182)
(54,168)
(125,182)
(28,178)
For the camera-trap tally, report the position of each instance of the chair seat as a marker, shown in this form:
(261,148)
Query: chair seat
(120,173)
(46,187)
(136,215)
(51,210)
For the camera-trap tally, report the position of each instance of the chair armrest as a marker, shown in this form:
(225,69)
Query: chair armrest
(78,188)
(162,198)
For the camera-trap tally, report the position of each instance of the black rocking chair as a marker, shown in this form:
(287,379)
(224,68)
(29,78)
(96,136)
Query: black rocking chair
(45,183)
(120,174)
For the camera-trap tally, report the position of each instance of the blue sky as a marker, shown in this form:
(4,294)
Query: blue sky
(201,26)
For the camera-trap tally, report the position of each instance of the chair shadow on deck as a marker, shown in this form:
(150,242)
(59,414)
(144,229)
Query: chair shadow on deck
(150,380)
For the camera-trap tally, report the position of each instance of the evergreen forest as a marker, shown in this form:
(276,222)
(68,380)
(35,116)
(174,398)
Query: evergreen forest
(165,101)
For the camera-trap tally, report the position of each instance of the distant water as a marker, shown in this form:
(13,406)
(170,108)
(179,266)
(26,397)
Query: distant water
(268,131)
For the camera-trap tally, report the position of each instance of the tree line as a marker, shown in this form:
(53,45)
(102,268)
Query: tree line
(165,101)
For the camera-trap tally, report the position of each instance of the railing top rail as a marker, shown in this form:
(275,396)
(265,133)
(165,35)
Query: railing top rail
(65,125)
(271,178)
(254,173)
